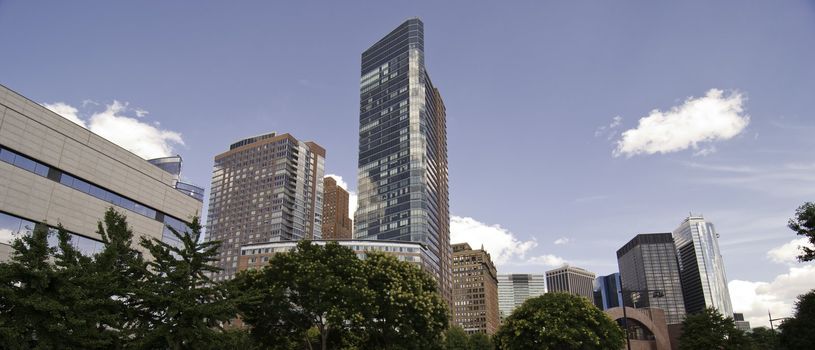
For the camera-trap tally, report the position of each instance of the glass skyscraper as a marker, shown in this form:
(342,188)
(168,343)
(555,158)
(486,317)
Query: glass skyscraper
(402,176)
(704,283)
(648,262)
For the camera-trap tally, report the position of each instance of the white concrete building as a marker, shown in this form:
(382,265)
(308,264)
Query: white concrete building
(53,171)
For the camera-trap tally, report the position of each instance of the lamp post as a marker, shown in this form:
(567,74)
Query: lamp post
(654,294)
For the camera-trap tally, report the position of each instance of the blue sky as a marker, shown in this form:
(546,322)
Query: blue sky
(532,91)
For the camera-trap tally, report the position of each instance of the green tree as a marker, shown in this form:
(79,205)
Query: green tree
(456,339)
(324,296)
(30,298)
(179,306)
(710,330)
(796,332)
(313,292)
(406,311)
(804,225)
(762,338)
(58,297)
(481,341)
(559,321)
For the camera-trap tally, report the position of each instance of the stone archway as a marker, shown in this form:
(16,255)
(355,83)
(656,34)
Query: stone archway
(651,319)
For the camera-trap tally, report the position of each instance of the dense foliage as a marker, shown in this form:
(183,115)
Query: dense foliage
(559,321)
(54,296)
(796,332)
(325,296)
(455,338)
(804,225)
(710,330)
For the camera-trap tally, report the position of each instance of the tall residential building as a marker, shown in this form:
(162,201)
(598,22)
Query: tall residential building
(403,193)
(515,289)
(53,171)
(701,269)
(336,223)
(607,291)
(648,263)
(570,279)
(475,290)
(266,188)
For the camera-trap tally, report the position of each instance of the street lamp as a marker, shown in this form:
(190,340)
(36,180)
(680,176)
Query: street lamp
(654,294)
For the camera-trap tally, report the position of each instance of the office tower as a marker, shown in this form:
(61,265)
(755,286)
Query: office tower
(570,279)
(336,223)
(515,289)
(265,188)
(53,171)
(648,264)
(475,290)
(741,324)
(701,269)
(172,165)
(607,291)
(403,151)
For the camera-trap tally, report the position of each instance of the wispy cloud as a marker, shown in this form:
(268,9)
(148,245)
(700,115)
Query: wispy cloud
(561,241)
(589,199)
(785,180)
(698,121)
(609,131)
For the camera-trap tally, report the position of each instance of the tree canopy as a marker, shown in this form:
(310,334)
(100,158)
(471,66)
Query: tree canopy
(559,321)
(346,302)
(54,296)
(804,225)
(708,329)
(797,332)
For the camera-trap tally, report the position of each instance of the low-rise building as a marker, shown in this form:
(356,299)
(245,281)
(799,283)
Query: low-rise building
(54,171)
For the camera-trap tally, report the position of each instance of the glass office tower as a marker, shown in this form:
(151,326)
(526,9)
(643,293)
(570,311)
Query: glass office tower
(403,151)
(648,262)
(701,268)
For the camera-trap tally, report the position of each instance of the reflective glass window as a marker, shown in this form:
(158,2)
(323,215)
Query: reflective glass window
(25,163)
(6,156)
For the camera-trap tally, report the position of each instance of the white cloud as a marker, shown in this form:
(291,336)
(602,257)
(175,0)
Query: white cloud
(754,299)
(706,119)
(145,140)
(352,195)
(788,253)
(502,244)
(66,111)
(547,260)
(562,240)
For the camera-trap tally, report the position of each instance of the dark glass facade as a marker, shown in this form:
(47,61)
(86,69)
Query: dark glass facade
(649,262)
(607,291)
(403,192)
